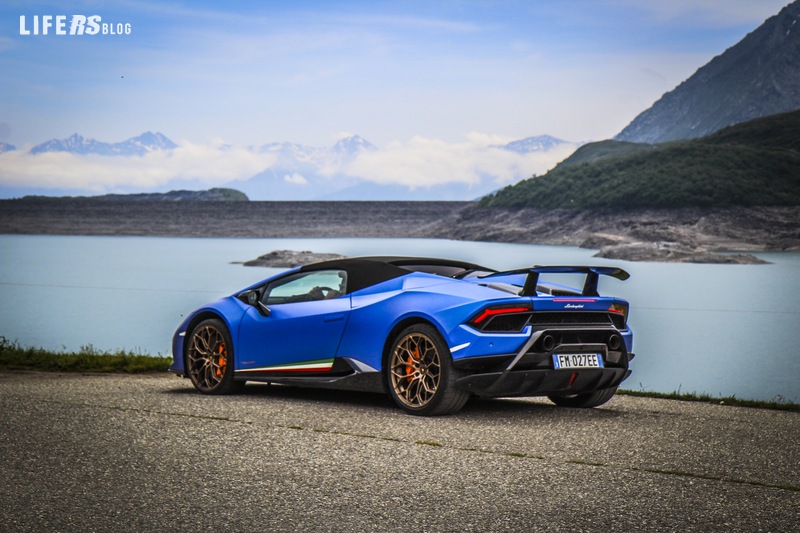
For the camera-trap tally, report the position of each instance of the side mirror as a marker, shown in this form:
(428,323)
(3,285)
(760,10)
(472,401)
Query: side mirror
(253,298)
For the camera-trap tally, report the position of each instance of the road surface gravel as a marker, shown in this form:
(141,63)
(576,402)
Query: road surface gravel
(146,453)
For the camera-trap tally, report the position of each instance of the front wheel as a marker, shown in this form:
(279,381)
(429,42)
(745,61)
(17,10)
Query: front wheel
(590,399)
(209,358)
(421,375)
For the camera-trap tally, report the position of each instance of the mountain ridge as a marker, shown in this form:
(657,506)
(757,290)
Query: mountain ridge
(78,144)
(758,76)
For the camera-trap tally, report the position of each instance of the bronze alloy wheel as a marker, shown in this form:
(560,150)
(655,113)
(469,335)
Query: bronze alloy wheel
(208,357)
(416,370)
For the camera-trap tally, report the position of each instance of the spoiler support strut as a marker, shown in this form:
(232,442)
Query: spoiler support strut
(593,274)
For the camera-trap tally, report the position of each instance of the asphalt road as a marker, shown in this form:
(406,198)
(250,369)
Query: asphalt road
(146,453)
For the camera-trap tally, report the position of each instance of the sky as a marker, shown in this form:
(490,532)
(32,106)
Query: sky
(450,73)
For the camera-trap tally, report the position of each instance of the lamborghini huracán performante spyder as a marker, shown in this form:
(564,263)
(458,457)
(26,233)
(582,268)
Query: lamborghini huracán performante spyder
(429,332)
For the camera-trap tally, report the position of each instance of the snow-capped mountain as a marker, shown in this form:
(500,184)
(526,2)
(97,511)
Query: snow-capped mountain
(287,150)
(304,172)
(5,147)
(352,146)
(314,173)
(78,144)
(335,172)
(539,143)
(292,153)
(146,142)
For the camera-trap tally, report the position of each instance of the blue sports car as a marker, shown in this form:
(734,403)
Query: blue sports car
(429,332)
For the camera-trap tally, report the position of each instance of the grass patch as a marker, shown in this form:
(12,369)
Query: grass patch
(428,443)
(779,403)
(87,359)
(516,454)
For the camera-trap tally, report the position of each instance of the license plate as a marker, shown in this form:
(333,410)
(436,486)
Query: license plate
(577,360)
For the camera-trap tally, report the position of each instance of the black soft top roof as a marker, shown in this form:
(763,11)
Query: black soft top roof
(364,272)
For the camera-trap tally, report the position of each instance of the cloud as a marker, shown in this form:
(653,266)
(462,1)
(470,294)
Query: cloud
(419,162)
(295,179)
(189,162)
(423,162)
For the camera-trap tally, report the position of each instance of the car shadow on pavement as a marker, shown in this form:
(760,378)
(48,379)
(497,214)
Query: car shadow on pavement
(539,408)
(476,408)
(288,392)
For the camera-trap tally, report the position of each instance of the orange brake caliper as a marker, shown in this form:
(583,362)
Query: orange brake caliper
(410,367)
(222,361)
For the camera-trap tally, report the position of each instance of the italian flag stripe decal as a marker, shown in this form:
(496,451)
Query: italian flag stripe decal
(319,365)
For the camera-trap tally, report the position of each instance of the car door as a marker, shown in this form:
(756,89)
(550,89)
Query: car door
(299,325)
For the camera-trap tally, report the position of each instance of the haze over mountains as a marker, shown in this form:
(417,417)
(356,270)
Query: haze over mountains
(351,169)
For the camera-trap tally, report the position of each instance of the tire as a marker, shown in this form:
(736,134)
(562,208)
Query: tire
(590,399)
(209,358)
(420,374)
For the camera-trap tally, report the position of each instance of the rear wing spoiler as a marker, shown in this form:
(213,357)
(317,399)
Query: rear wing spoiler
(593,274)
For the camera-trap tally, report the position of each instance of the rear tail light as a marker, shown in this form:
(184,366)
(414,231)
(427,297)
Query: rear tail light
(619,310)
(502,318)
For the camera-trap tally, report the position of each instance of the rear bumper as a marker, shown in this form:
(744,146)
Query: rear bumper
(530,372)
(542,382)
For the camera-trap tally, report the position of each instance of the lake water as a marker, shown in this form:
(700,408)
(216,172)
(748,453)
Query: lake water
(716,329)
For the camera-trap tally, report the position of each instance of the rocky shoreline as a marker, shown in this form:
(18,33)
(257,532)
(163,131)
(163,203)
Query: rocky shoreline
(671,252)
(696,235)
(686,235)
(289,259)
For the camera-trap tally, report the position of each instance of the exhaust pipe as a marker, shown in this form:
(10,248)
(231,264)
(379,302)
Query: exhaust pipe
(614,342)
(548,343)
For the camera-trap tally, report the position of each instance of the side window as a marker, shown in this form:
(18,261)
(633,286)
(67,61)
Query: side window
(306,287)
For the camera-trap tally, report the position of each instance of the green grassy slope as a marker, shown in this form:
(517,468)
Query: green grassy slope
(753,163)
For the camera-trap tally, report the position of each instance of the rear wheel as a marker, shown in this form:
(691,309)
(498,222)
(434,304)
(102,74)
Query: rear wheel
(590,399)
(421,375)
(209,358)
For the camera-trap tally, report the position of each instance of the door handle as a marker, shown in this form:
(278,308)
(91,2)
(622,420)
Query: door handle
(333,318)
